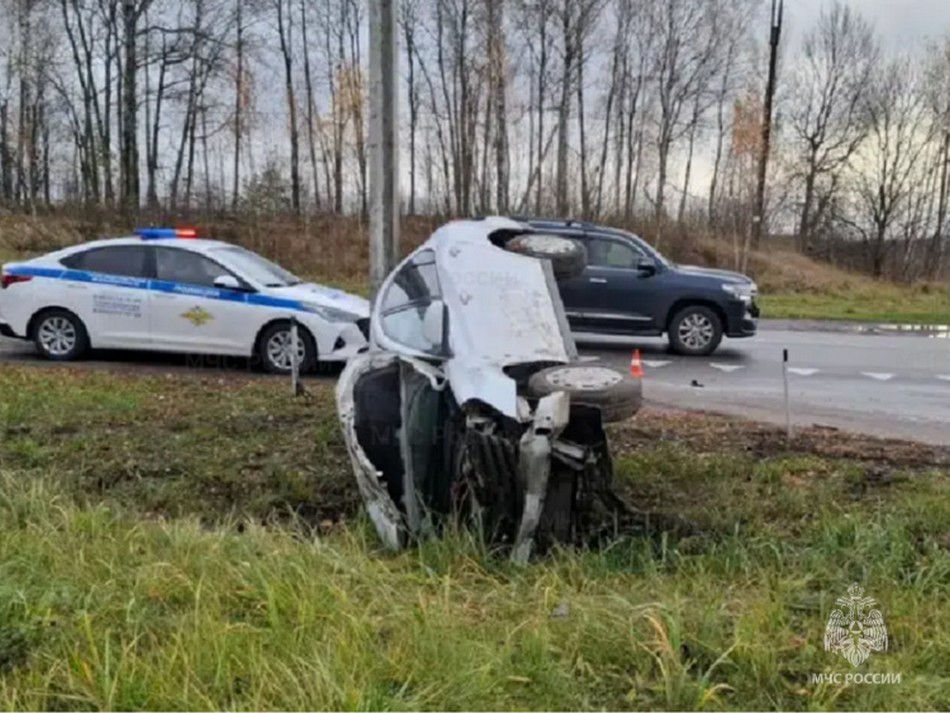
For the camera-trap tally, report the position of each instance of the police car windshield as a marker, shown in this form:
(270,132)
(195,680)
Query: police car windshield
(256,267)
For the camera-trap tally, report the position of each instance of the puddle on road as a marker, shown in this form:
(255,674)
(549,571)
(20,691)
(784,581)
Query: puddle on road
(933,331)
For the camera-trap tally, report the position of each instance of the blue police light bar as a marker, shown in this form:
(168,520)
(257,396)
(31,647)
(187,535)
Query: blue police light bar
(164,233)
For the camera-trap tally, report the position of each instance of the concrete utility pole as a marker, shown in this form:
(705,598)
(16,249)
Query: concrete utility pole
(383,132)
(775,35)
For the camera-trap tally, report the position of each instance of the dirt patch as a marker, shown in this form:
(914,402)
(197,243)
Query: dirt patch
(713,434)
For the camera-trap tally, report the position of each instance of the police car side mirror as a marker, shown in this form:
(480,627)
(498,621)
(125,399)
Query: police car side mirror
(228,282)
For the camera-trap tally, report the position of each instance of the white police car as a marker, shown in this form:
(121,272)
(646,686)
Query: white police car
(166,290)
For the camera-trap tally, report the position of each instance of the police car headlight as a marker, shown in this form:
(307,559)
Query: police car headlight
(331,314)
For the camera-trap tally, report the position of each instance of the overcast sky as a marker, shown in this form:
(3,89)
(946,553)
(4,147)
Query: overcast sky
(906,24)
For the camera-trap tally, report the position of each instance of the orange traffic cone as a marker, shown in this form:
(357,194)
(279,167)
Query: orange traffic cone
(636,368)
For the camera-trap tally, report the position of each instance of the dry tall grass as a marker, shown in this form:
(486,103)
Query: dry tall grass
(335,250)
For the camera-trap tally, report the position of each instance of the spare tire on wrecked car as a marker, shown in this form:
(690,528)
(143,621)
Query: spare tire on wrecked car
(568,257)
(617,395)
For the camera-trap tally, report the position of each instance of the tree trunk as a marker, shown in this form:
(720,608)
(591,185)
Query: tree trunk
(105,120)
(880,244)
(192,137)
(937,242)
(238,107)
(205,160)
(6,158)
(499,67)
(311,118)
(804,224)
(582,129)
(663,163)
(608,115)
(88,151)
(47,191)
(564,112)
(190,111)
(689,168)
(542,84)
(413,101)
(152,153)
(285,31)
(129,160)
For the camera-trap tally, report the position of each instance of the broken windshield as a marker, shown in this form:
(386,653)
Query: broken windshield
(413,288)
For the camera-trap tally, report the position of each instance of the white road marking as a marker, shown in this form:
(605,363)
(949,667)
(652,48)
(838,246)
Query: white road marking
(944,377)
(802,372)
(877,376)
(656,364)
(728,368)
(589,358)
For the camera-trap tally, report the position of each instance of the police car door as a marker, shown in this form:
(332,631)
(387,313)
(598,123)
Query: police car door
(190,314)
(107,288)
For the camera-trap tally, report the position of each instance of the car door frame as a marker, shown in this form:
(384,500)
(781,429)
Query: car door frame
(606,315)
(172,295)
(574,292)
(93,290)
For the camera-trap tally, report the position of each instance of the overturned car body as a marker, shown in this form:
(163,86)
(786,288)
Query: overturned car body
(471,401)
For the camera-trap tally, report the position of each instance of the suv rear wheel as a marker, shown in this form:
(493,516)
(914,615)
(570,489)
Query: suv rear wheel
(695,331)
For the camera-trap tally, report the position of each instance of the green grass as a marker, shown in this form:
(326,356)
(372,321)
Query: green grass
(882,302)
(186,542)
(179,446)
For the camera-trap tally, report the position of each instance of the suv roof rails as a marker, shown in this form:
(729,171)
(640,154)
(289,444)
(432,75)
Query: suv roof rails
(566,222)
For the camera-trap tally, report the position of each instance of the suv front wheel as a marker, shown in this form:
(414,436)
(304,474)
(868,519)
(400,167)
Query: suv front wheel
(695,331)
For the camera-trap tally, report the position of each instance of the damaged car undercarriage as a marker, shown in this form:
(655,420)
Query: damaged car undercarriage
(471,402)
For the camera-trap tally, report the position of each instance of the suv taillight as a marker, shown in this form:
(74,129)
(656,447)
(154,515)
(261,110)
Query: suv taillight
(8,280)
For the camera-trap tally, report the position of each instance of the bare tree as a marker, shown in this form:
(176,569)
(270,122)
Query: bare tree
(311,106)
(498,81)
(285,26)
(409,21)
(240,99)
(885,167)
(937,89)
(827,104)
(132,13)
(687,41)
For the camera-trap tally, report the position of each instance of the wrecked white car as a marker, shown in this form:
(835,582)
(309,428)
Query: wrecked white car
(471,402)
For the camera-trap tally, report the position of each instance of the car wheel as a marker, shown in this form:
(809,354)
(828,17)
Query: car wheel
(615,394)
(60,335)
(695,331)
(568,257)
(276,350)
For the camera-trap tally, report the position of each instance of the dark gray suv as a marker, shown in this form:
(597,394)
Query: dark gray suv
(628,288)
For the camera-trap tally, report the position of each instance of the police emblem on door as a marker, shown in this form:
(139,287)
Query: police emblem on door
(855,629)
(198,316)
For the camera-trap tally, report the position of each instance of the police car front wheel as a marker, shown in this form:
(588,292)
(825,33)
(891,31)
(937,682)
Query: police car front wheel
(276,350)
(60,335)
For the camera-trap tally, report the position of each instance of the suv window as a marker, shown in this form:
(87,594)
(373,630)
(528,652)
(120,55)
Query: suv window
(123,260)
(603,252)
(404,303)
(173,265)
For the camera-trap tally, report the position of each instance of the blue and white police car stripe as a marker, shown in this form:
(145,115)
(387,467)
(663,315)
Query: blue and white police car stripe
(141,283)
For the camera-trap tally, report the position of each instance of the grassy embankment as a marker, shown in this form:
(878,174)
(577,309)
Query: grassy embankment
(335,251)
(181,542)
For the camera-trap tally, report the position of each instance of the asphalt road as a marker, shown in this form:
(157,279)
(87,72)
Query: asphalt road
(880,382)
(885,384)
